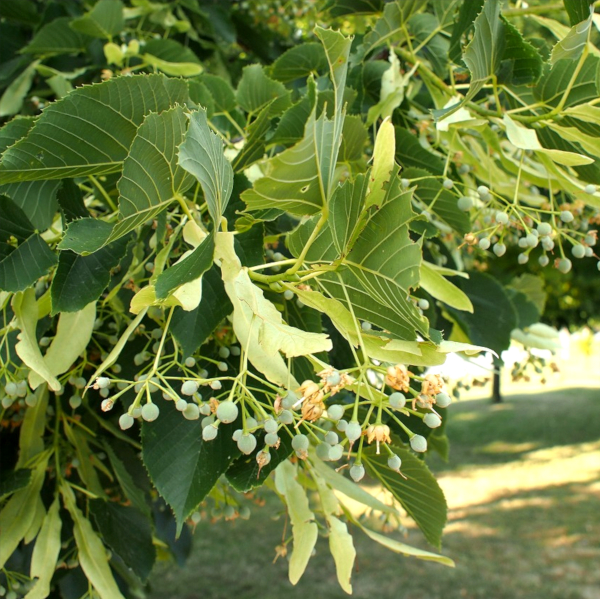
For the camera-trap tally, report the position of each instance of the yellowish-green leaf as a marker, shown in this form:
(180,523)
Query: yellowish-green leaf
(18,513)
(45,553)
(174,69)
(403,548)
(383,163)
(527,139)
(73,333)
(340,540)
(347,487)
(91,552)
(442,289)
(258,325)
(118,348)
(36,524)
(304,528)
(31,437)
(26,313)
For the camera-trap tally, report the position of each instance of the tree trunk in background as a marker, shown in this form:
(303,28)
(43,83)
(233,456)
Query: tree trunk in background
(496,396)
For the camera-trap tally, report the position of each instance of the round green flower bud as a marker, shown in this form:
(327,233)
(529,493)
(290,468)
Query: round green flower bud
(418,443)
(227,412)
(300,442)
(564,265)
(209,433)
(394,462)
(150,412)
(432,420)
(189,387)
(357,472)
(353,431)
(464,203)
(443,400)
(270,425)
(578,251)
(397,400)
(271,439)
(335,412)
(247,443)
(125,421)
(331,438)
(191,412)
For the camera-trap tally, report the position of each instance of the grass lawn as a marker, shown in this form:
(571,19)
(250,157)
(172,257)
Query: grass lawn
(523,489)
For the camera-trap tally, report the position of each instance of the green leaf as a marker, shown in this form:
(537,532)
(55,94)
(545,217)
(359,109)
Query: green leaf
(494,316)
(554,82)
(572,45)
(292,123)
(151,181)
(434,46)
(354,138)
(135,548)
(301,179)
(57,37)
(469,10)
(192,329)
(73,333)
(419,493)
(410,153)
(521,63)
(186,270)
(201,154)
(390,27)
(182,466)
(258,325)
(484,53)
(304,528)
(89,131)
(46,552)
(131,490)
(38,199)
(90,550)
(13,480)
(13,97)
(170,51)
(345,213)
(429,190)
(254,148)
(222,93)
(256,90)
(382,268)
(526,311)
(442,289)
(23,266)
(533,287)
(245,474)
(13,222)
(340,8)
(299,62)
(25,12)
(18,513)
(79,280)
(578,10)
(105,20)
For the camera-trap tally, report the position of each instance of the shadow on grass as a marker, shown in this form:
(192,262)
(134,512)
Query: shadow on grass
(484,433)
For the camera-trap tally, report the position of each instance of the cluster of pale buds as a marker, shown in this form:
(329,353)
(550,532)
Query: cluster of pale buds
(380,433)
(398,377)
